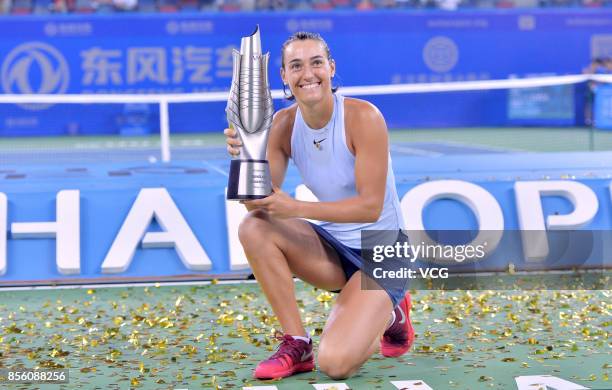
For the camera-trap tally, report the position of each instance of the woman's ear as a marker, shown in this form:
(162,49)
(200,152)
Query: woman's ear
(332,65)
(282,74)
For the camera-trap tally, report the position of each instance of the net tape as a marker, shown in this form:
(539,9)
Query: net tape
(531,82)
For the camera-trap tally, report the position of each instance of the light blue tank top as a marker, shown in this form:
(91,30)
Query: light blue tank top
(327,168)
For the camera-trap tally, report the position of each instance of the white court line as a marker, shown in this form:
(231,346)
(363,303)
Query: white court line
(119,285)
(481,146)
(415,151)
(253,281)
(215,168)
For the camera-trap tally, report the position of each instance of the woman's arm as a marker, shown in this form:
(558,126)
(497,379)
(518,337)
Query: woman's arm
(279,145)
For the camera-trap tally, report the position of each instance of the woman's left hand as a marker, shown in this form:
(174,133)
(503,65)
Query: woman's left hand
(278,205)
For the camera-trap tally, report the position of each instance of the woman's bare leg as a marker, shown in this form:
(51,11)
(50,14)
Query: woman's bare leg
(352,332)
(278,249)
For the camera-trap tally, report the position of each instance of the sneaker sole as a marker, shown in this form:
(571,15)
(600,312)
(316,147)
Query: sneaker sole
(298,368)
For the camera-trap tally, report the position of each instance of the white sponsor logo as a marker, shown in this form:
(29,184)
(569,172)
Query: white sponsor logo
(526,22)
(440,54)
(34,67)
(314,24)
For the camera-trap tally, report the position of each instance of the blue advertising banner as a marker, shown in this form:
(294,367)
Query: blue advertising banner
(171,222)
(143,53)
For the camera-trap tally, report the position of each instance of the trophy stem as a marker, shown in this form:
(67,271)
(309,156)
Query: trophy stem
(249,179)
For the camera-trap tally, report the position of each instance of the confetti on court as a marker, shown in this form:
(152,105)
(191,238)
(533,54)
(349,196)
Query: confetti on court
(212,336)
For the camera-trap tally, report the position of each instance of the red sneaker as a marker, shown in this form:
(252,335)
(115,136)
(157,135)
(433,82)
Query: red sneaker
(292,357)
(398,339)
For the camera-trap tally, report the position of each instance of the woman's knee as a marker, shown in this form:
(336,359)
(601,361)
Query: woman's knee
(253,228)
(336,363)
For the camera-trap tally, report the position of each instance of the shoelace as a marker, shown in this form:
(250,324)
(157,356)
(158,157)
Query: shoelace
(288,346)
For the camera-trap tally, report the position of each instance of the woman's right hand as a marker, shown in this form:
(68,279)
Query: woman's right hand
(232,141)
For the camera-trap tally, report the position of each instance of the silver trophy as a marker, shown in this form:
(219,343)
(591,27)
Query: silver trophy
(249,111)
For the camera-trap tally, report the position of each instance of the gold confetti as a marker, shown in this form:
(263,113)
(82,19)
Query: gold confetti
(511,269)
(325,296)
(178,301)
(239,355)
(425,348)
(13,329)
(152,336)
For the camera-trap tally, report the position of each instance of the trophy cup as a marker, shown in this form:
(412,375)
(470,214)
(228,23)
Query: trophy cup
(249,111)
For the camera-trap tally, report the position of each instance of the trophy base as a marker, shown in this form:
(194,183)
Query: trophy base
(248,180)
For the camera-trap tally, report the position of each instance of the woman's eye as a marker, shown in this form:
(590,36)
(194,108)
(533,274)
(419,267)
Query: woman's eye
(295,66)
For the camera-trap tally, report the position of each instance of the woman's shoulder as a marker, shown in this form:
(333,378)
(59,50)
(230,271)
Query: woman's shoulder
(285,117)
(360,110)
(282,127)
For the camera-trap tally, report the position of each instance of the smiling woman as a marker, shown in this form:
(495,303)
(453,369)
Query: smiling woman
(317,62)
(340,147)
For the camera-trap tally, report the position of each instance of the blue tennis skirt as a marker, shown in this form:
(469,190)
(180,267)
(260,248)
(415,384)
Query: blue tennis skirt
(351,261)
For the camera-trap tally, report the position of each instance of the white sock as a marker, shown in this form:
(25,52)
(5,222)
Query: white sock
(304,339)
(391,320)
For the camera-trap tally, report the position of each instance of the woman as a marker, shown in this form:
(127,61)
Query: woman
(340,147)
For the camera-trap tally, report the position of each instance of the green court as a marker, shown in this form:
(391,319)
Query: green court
(211,336)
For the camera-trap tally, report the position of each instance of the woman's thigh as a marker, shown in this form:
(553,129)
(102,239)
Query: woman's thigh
(309,258)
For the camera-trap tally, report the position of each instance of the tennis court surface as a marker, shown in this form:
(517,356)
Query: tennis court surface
(211,336)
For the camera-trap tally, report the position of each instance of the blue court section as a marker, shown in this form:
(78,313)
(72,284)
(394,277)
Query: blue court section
(112,165)
(142,151)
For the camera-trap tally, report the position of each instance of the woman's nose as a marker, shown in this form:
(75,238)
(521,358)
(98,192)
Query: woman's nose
(307,71)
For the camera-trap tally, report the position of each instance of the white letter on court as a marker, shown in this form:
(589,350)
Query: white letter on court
(150,203)
(66,230)
(411,385)
(488,214)
(3,218)
(234,214)
(531,217)
(535,382)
